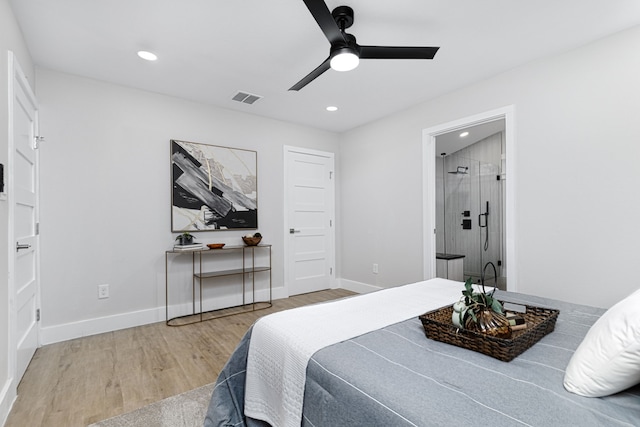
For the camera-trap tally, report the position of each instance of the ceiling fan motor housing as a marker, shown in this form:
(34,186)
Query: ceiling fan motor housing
(350,45)
(343,16)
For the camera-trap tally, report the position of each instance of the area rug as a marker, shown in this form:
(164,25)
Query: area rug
(183,410)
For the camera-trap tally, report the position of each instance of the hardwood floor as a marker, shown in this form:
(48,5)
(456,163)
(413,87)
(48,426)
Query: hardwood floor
(85,380)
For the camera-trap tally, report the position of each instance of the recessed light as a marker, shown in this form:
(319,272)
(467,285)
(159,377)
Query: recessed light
(332,108)
(463,134)
(147,55)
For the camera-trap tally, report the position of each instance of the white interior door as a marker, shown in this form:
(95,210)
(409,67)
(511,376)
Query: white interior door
(23,194)
(309,221)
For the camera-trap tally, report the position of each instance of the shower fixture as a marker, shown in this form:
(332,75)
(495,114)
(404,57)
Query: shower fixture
(485,226)
(460,170)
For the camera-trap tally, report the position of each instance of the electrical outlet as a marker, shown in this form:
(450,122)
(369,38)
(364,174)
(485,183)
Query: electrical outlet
(375,268)
(103,291)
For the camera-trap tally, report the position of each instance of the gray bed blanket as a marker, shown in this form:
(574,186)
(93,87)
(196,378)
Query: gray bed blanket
(395,376)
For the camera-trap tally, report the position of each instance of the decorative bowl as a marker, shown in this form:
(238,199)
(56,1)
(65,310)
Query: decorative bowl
(251,241)
(216,245)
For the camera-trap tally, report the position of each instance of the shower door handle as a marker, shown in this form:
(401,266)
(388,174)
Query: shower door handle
(485,215)
(480,220)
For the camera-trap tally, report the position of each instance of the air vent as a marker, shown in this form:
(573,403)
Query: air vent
(246,98)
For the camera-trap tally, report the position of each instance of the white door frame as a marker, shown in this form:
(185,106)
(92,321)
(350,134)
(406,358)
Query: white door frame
(332,232)
(429,187)
(18,76)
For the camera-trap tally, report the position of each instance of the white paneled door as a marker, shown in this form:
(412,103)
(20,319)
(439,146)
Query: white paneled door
(309,220)
(23,194)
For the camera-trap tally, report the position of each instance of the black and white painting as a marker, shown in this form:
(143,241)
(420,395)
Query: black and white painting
(213,187)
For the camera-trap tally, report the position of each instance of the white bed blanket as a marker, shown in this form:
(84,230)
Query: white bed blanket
(282,343)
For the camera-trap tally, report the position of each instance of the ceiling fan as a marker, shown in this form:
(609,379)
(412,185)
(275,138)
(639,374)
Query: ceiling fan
(345,53)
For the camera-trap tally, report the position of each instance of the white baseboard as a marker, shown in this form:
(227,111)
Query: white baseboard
(7,397)
(279,293)
(358,287)
(99,325)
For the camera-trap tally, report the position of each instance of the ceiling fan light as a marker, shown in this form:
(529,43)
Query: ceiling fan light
(344,59)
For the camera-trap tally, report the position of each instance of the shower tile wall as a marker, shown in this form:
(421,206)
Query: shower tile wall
(456,193)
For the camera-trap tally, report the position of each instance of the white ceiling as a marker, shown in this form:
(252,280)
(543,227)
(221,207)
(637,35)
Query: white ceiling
(451,142)
(209,50)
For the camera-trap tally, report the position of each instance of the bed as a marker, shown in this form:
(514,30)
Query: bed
(394,376)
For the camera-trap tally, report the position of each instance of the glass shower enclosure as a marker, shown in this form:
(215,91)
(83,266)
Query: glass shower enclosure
(469,212)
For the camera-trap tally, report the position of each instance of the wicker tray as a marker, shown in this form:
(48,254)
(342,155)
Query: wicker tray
(437,326)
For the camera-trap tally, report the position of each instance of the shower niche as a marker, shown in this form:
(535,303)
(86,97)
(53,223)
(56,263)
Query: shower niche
(469,208)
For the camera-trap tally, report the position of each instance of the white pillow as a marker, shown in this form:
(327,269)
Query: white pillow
(608,359)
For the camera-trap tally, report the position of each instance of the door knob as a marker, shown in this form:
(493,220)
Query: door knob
(19,246)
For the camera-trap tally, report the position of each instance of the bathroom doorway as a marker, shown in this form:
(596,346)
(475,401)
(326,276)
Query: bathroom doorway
(469,209)
(508,269)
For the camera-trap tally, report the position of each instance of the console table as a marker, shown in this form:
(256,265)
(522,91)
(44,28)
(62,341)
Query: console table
(249,267)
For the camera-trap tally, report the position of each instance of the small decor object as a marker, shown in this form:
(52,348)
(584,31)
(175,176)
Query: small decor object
(213,187)
(516,322)
(184,242)
(481,312)
(252,239)
(216,245)
(185,238)
(491,323)
(459,313)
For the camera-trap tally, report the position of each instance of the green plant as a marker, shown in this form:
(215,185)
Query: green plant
(185,237)
(477,302)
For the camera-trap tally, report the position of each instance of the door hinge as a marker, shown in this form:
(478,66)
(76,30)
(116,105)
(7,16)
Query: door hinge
(330,223)
(37,315)
(330,271)
(330,174)
(37,228)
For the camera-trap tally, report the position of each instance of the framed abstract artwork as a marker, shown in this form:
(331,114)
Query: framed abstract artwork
(213,187)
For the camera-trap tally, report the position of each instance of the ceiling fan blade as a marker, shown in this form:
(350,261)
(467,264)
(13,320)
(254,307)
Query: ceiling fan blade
(312,75)
(325,20)
(397,52)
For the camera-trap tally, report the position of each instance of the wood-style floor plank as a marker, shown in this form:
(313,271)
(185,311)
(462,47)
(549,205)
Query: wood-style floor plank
(85,380)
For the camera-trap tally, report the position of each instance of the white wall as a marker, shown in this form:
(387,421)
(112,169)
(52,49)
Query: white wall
(10,39)
(577,176)
(105,215)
